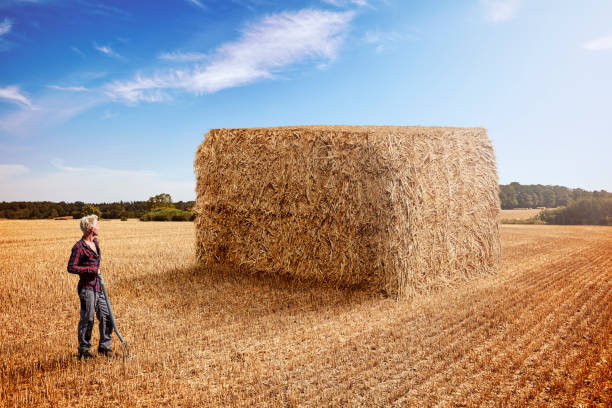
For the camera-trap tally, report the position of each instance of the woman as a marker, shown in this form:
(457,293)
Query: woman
(85,261)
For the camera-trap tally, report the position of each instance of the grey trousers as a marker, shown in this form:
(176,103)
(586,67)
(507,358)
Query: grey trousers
(91,302)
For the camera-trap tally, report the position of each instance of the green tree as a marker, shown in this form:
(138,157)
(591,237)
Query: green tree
(89,209)
(562,196)
(167,214)
(162,200)
(578,194)
(549,198)
(586,211)
(507,196)
(525,200)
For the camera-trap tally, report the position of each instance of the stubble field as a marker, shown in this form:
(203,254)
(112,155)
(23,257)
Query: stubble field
(521,214)
(537,334)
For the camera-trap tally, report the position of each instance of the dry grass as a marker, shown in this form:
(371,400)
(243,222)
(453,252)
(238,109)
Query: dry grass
(518,214)
(536,334)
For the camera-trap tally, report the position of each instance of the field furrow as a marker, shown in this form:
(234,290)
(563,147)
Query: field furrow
(512,350)
(511,339)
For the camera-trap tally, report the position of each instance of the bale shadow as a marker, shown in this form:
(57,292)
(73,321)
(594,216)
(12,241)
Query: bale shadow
(232,295)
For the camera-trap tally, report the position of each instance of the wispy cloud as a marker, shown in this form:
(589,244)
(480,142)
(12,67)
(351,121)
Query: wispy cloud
(48,110)
(59,164)
(104,184)
(143,89)
(180,56)
(68,88)
(599,44)
(9,3)
(500,10)
(107,115)
(105,10)
(78,51)
(106,50)
(197,3)
(5,26)
(265,48)
(345,3)
(12,170)
(14,95)
(382,39)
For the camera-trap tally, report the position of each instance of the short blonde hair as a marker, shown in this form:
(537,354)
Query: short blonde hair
(87,222)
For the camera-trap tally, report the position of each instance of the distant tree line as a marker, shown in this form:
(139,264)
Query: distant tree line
(48,209)
(161,207)
(585,211)
(515,195)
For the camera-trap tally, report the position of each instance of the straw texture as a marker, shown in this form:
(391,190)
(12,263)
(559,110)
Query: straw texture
(394,209)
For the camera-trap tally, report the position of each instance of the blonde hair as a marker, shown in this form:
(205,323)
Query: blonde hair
(87,222)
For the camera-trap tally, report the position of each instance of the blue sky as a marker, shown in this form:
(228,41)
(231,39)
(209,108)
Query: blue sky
(108,100)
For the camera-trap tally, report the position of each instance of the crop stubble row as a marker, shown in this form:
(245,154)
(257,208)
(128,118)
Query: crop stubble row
(436,366)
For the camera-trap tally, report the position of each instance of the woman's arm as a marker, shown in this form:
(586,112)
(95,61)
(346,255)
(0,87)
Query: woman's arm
(73,263)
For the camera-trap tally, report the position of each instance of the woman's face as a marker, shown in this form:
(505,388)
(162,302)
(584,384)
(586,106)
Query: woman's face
(95,228)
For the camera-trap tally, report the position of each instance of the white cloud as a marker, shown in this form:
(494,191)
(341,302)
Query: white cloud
(107,115)
(51,109)
(197,3)
(599,44)
(9,3)
(12,170)
(382,39)
(5,26)
(100,184)
(500,10)
(106,50)
(59,164)
(142,89)
(75,49)
(180,56)
(102,9)
(69,88)
(263,50)
(345,3)
(12,94)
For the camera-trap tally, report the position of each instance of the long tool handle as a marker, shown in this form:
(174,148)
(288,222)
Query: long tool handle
(110,310)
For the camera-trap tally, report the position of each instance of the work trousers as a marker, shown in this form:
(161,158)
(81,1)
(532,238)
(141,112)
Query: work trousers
(94,302)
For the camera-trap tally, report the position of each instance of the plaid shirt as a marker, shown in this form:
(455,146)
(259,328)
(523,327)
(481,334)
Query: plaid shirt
(86,263)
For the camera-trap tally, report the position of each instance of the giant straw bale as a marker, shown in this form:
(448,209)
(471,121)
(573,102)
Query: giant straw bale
(395,209)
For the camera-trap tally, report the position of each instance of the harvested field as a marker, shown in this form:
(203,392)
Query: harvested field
(539,333)
(522,214)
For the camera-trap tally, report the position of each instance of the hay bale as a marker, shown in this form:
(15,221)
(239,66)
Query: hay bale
(396,209)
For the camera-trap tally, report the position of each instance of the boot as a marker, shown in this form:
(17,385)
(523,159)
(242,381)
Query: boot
(105,352)
(85,354)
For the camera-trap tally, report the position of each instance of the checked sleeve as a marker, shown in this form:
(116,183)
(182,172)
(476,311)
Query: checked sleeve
(73,263)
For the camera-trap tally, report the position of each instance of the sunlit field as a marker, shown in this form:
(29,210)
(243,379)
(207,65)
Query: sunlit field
(537,334)
(521,214)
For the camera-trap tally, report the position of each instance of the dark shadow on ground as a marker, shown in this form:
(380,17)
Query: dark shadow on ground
(231,295)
